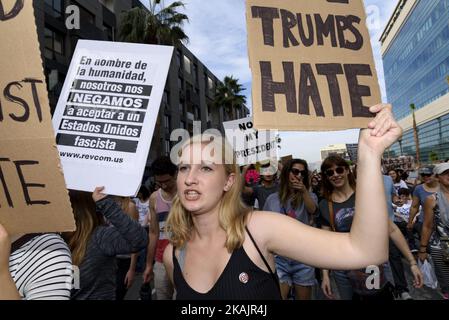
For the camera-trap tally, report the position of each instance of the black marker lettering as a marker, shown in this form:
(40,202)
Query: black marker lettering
(324,29)
(26,185)
(5,186)
(270,88)
(358,91)
(267,15)
(331,70)
(18,6)
(307,91)
(288,22)
(307,41)
(10,97)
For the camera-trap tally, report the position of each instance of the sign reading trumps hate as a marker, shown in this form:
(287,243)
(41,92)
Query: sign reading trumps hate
(312,64)
(33,195)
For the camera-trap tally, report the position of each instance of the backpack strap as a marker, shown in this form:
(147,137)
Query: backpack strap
(22,240)
(330,205)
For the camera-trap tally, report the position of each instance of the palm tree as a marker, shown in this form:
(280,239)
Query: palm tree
(161,25)
(133,26)
(228,95)
(415,134)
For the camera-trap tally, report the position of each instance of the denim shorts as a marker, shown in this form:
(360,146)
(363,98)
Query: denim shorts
(293,272)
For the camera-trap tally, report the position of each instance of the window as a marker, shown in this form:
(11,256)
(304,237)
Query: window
(197,113)
(167,147)
(55,81)
(189,91)
(195,74)
(52,76)
(183,124)
(56,7)
(179,58)
(165,98)
(54,43)
(181,108)
(187,65)
(167,122)
(210,83)
(108,32)
(180,83)
(85,15)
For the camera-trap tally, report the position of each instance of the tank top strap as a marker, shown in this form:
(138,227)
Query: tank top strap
(273,275)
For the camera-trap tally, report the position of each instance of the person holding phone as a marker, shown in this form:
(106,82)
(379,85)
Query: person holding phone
(294,200)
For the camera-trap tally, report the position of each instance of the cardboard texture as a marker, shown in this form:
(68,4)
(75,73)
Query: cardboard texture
(286,159)
(312,65)
(33,196)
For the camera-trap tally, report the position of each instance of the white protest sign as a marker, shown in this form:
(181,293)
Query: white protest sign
(251,145)
(106,114)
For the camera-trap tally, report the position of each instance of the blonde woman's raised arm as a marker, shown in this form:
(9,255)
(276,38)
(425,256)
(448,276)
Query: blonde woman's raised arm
(367,243)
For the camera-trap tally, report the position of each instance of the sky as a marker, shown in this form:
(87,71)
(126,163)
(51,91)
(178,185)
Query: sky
(217,33)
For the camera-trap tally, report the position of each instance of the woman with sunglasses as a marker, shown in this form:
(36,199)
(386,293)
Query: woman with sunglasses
(294,200)
(337,213)
(397,180)
(429,186)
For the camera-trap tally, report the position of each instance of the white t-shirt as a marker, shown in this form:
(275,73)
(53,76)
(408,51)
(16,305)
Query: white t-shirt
(399,185)
(403,213)
(142,208)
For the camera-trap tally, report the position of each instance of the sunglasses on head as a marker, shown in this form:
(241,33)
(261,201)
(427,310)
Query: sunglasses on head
(331,172)
(297,172)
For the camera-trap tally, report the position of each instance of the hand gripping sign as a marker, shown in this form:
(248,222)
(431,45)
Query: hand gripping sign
(33,195)
(312,64)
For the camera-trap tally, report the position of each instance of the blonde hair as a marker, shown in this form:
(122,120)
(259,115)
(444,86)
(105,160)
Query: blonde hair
(232,212)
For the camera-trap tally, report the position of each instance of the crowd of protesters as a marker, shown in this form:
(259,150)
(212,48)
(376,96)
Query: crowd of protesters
(214,231)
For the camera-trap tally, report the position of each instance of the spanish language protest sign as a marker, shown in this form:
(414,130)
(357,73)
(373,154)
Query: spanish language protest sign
(251,145)
(312,64)
(107,111)
(33,196)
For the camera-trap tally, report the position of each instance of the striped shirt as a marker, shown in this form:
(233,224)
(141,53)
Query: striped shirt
(42,268)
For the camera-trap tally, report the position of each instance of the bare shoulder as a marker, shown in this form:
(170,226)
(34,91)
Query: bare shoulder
(152,200)
(167,257)
(132,209)
(260,222)
(260,217)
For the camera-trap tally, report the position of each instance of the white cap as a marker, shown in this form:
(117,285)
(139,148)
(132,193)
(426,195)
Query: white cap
(268,171)
(440,168)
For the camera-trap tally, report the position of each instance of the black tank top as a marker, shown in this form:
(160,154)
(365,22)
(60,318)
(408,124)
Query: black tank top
(241,279)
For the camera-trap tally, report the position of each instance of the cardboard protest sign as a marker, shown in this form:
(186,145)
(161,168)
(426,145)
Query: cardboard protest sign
(33,196)
(251,145)
(312,64)
(107,111)
(286,159)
